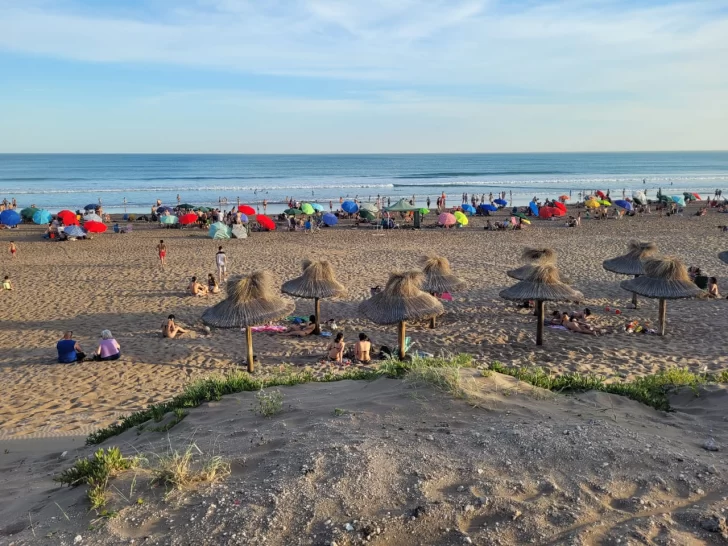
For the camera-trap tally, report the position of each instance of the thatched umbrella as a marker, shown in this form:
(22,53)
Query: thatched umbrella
(251,301)
(724,256)
(318,281)
(439,278)
(631,263)
(532,257)
(665,278)
(542,284)
(400,301)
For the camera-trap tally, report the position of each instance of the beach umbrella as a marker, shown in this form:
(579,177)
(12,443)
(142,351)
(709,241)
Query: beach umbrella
(621,203)
(605,202)
(68,217)
(679,199)
(446,219)
(564,198)
(94,227)
(601,194)
(367,215)
(632,262)
(401,301)
(521,215)
(532,257)
(470,209)
(547,212)
(168,220)
(349,207)
(723,256)
(526,221)
(639,197)
(317,282)
(688,196)
(186,206)
(239,231)
(330,219)
(460,218)
(307,209)
(439,278)
(370,207)
(593,204)
(246,209)
(534,208)
(42,217)
(560,206)
(424,210)
(665,278)
(501,202)
(317,207)
(92,218)
(187,219)
(10,218)
(164,210)
(402,206)
(697,196)
(218,230)
(542,284)
(74,231)
(27,213)
(292,212)
(201,209)
(489,207)
(251,301)
(265,222)
(91,206)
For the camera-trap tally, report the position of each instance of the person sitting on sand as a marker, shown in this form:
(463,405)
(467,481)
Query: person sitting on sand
(556,318)
(69,350)
(574,326)
(170,328)
(108,348)
(362,348)
(7,285)
(212,285)
(581,315)
(336,348)
(302,330)
(713,288)
(197,289)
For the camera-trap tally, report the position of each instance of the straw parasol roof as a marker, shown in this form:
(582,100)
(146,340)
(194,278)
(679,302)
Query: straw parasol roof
(439,277)
(631,263)
(724,256)
(401,300)
(251,300)
(318,281)
(533,256)
(665,278)
(542,284)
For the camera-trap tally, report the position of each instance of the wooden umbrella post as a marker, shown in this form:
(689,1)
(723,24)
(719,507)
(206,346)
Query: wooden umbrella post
(402,330)
(317,312)
(663,316)
(539,326)
(634,296)
(249,340)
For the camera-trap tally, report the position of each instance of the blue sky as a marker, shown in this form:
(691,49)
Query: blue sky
(329,76)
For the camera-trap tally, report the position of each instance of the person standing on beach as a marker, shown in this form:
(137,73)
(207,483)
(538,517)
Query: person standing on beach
(265,206)
(221,262)
(13,250)
(428,201)
(162,251)
(331,206)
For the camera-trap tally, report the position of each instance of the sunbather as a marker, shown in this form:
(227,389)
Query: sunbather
(574,326)
(302,330)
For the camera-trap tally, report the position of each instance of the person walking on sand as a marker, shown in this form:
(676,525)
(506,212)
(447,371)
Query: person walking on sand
(221,262)
(162,251)
(13,250)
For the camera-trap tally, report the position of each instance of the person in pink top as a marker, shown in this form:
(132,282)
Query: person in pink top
(109,348)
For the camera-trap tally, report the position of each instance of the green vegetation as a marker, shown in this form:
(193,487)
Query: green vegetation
(270,402)
(650,390)
(180,470)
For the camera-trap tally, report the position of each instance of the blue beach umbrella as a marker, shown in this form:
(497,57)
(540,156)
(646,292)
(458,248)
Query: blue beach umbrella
(75,231)
(10,218)
(163,209)
(330,219)
(679,199)
(169,220)
(501,202)
(621,203)
(349,207)
(470,209)
(534,208)
(42,217)
(91,206)
(218,230)
(489,207)
(317,207)
(243,218)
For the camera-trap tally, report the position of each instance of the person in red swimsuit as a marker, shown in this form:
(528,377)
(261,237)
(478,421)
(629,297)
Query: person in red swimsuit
(162,250)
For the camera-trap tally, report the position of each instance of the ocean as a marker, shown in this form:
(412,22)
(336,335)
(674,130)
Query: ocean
(134,182)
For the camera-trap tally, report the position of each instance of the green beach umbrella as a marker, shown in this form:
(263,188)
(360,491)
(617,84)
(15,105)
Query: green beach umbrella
(186,206)
(424,210)
(367,215)
(292,212)
(202,209)
(521,216)
(307,209)
(28,213)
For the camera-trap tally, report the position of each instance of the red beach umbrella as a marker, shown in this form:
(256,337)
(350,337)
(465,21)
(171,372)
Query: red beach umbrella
(247,210)
(560,206)
(601,194)
(547,212)
(446,219)
(187,219)
(94,227)
(697,197)
(68,217)
(265,222)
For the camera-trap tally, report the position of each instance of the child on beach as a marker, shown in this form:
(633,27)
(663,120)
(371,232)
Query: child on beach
(162,251)
(13,250)
(6,283)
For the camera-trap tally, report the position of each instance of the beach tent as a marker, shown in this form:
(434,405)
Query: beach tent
(401,301)
(439,278)
(10,218)
(665,278)
(317,282)
(218,230)
(239,231)
(534,208)
(251,301)
(42,217)
(541,285)
(632,262)
(404,206)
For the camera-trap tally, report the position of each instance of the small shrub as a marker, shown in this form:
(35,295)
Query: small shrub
(338,412)
(445,379)
(178,471)
(270,402)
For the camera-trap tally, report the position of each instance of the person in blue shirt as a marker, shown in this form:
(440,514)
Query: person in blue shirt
(69,350)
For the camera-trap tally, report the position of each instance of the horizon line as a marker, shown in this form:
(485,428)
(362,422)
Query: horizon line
(370,153)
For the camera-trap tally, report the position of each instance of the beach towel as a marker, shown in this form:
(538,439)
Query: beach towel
(558,327)
(273,328)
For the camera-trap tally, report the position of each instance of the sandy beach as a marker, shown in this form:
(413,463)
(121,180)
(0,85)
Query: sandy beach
(114,282)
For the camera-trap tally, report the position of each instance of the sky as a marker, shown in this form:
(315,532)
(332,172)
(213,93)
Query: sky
(362,76)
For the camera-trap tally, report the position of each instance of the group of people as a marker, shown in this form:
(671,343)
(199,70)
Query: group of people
(704,282)
(337,348)
(69,350)
(574,321)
